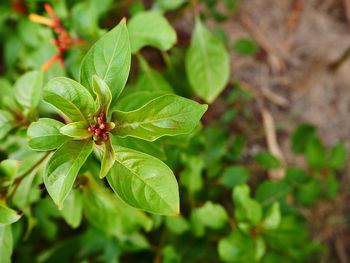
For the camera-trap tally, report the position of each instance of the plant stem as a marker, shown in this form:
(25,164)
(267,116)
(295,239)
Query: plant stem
(19,179)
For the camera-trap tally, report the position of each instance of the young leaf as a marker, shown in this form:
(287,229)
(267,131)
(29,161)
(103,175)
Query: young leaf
(28,89)
(77,130)
(6,123)
(103,94)
(338,156)
(150,28)
(6,241)
(237,247)
(302,134)
(333,186)
(63,168)
(234,175)
(108,158)
(73,208)
(267,160)
(315,153)
(177,224)
(8,216)
(70,97)
(308,193)
(207,64)
(191,176)
(273,217)
(245,47)
(110,59)
(269,192)
(211,215)
(247,209)
(167,115)
(44,135)
(8,168)
(144,182)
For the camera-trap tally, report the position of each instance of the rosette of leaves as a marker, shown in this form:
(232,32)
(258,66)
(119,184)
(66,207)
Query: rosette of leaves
(139,179)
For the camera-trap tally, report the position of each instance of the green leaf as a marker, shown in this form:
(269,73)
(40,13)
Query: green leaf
(296,176)
(177,224)
(30,170)
(338,156)
(6,123)
(108,158)
(8,168)
(110,59)
(6,241)
(207,64)
(151,80)
(144,182)
(315,153)
(44,135)
(155,149)
(237,247)
(245,47)
(73,208)
(8,216)
(211,215)
(136,99)
(247,209)
(332,186)
(70,97)
(309,192)
(260,248)
(272,219)
(106,212)
(234,175)
(63,168)
(150,28)
(168,5)
(170,255)
(167,115)
(301,136)
(268,192)
(103,94)
(267,161)
(76,130)
(28,89)
(191,176)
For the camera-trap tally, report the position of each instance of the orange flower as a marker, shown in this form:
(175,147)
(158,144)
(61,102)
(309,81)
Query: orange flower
(63,41)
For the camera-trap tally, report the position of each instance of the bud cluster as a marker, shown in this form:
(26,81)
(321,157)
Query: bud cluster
(101,129)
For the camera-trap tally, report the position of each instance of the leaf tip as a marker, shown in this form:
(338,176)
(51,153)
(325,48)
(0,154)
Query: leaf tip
(123,21)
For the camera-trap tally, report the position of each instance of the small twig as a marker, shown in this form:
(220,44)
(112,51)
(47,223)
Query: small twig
(274,54)
(341,251)
(334,66)
(294,16)
(271,139)
(266,93)
(347,9)
(158,256)
(274,97)
(195,7)
(19,179)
